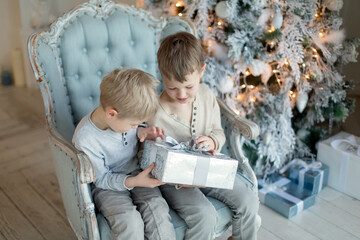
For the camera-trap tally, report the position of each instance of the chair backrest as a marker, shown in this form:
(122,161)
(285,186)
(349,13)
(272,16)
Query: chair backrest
(94,38)
(69,62)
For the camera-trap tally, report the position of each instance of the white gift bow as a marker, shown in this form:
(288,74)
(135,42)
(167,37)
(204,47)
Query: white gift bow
(188,146)
(314,166)
(276,187)
(173,144)
(350,144)
(351,147)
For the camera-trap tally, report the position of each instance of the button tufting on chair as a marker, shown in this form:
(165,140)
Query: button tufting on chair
(106,49)
(145,66)
(76,76)
(132,43)
(99,73)
(84,50)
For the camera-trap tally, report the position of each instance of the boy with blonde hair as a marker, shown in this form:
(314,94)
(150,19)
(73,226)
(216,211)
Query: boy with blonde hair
(109,135)
(189,109)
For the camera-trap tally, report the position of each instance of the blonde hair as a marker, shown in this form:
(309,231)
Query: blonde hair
(180,54)
(131,92)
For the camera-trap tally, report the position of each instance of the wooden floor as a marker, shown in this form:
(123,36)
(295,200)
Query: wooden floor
(31,205)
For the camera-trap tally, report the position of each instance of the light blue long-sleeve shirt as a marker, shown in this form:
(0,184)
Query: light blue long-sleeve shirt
(112,154)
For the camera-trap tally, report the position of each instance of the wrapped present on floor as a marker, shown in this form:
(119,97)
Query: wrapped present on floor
(308,174)
(284,196)
(181,163)
(341,153)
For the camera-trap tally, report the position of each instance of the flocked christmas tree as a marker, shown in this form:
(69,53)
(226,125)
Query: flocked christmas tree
(277,62)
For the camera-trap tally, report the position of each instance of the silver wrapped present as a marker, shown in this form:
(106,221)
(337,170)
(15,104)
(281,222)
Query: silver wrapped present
(181,163)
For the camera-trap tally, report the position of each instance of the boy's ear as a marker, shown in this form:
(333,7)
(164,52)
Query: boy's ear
(202,70)
(110,112)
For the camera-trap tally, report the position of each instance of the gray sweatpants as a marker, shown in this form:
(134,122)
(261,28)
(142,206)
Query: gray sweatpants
(201,217)
(135,214)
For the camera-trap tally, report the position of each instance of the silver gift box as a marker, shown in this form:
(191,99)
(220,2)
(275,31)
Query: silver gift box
(192,168)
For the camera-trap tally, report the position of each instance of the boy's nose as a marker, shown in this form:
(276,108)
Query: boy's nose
(181,94)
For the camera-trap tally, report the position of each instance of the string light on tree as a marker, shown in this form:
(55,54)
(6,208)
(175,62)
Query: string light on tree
(292,94)
(180,8)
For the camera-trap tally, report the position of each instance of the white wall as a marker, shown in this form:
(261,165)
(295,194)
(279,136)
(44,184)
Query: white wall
(15,28)
(56,9)
(9,28)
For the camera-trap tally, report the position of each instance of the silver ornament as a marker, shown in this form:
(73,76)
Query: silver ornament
(221,9)
(301,101)
(267,73)
(333,5)
(277,20)
(220,51)
(302,134)
(266,138)
(225,84)
(257,67)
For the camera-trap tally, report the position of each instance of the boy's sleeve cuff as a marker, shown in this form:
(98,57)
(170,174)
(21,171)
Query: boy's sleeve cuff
(127,188)
(215,142)
(144,125)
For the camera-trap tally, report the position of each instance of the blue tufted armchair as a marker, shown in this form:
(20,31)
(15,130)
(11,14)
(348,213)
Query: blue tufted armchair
(69,62)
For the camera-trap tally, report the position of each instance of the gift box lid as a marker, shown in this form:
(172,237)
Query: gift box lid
(340,135)
(311,177)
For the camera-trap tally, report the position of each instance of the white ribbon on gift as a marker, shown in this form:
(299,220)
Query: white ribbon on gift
(202,163)
(350,146)
(276,187)
(314,166)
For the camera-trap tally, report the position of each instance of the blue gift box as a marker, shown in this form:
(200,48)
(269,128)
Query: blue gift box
(284,196)
(314,179)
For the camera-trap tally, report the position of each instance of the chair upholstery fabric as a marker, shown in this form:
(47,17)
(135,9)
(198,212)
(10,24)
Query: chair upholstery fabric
(92,47)
(69,62)
(88,47)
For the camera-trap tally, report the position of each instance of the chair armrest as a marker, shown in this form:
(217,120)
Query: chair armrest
(75,171)
(245,127)
(235,127)
(84,166)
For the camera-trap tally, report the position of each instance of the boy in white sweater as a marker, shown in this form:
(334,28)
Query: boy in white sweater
(188,108)
(109,136)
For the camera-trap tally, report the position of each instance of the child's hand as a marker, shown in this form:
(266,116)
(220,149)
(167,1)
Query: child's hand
(150,133)
(144,179)
(206,142)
